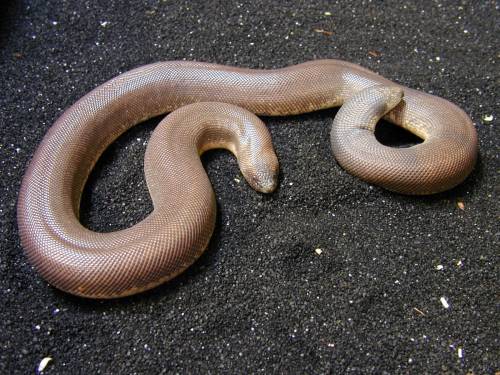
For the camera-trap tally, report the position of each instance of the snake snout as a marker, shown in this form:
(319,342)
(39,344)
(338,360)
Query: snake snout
(262,173)
(267,181)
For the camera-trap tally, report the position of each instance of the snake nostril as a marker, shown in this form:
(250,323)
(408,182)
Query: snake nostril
(395,136)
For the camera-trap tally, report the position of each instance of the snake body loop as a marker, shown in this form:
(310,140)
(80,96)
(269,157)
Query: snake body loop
(109,265)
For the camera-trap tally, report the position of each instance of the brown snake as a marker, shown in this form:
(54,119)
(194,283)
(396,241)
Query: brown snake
(173,236)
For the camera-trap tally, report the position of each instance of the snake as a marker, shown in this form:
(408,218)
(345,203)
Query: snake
(215,106)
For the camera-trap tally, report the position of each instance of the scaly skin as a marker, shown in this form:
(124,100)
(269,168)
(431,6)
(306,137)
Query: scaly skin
(173,236)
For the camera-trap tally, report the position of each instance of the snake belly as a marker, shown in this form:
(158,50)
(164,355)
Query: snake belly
(213,106)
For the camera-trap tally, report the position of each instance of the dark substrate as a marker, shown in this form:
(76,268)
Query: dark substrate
(261,299)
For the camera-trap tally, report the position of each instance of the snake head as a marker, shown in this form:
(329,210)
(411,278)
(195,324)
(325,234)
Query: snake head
(261,172)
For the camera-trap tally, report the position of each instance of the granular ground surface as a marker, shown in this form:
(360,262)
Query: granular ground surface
(328,275)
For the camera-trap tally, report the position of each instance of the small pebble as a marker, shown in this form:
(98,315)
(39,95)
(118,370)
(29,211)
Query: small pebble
(444,302)
(487,118)
(318,251)
(43,364)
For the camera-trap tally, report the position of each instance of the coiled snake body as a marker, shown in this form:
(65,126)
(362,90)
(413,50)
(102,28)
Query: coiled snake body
(213,106)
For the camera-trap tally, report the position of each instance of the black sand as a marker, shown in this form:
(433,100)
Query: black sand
(261,299)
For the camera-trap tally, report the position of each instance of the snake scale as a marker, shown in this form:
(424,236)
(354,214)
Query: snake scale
(215,106)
